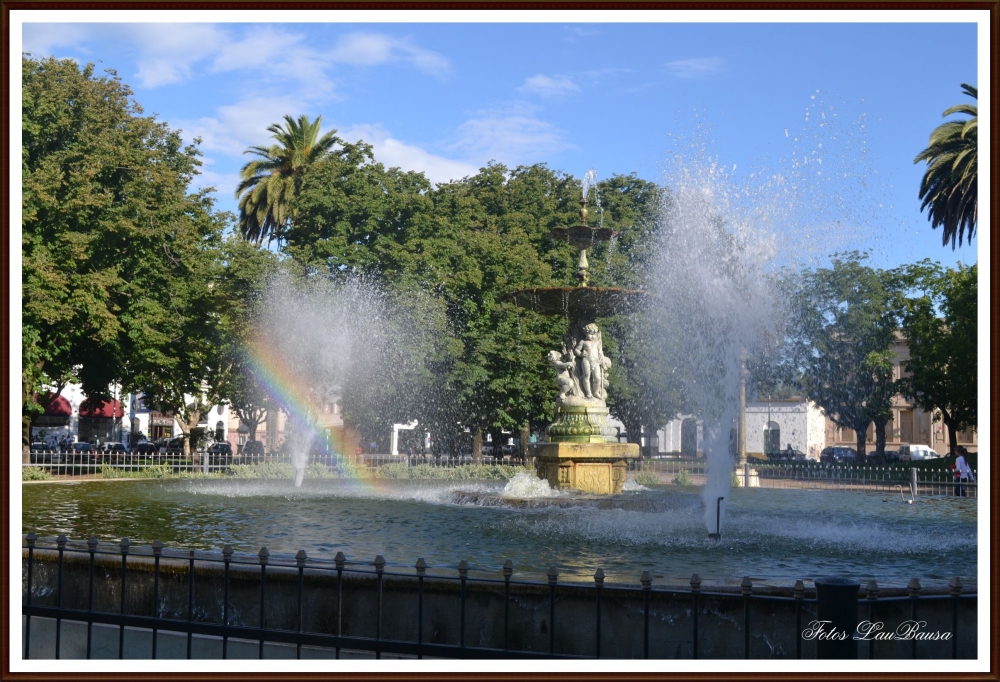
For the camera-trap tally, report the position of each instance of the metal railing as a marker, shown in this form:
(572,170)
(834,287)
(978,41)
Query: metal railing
(69,463)
(822,475)
(168,616)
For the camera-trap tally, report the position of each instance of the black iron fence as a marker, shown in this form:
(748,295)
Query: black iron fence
(302,601)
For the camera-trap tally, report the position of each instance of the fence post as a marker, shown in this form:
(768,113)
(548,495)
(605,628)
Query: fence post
(553,576)
(379,569)
(92,549)
(746,586)
(695,589)
(598,585)
(837,606)
(61,544)
(339,562)
(647,584)
(123,545)
(157,551)
(227,555)
(913,587)
(30,540)
(190,599)
(262,556)
(871,593)
(421,570)
(463,575)
(799,592)
(955,588)
(300,563)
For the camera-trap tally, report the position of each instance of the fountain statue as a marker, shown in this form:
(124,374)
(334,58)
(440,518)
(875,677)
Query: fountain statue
(581,450)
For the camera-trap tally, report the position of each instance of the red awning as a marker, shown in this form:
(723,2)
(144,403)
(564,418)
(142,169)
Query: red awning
(59,407)
(107,409)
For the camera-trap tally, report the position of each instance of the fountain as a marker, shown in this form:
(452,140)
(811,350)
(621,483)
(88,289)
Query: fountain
(582,451)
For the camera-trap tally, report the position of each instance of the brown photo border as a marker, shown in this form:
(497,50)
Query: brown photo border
(991,640)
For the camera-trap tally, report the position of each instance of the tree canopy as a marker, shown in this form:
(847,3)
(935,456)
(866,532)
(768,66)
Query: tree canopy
(939,321)
(113,243)
(949,185)
(843,328)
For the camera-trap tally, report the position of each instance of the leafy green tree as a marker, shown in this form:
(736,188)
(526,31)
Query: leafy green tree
(105,210)
(246,271)
(844,324)
(949,185)
(940,324)
(176,354)
(269,184)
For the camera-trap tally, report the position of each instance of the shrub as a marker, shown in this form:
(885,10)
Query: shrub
(734,480)
(155,471)
(683,477)
(34,474)
(649,478)
(262,470)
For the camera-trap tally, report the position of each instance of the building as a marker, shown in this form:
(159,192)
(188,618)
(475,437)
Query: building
(72,418)
(273,431)
(801,424)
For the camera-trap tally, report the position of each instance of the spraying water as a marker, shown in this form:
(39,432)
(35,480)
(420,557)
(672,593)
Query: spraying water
(319,340)
(717,298)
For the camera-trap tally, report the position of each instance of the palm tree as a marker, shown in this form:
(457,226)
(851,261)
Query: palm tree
(949,184)
(268,184)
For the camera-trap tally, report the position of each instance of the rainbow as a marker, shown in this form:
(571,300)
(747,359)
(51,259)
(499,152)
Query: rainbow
(289,387)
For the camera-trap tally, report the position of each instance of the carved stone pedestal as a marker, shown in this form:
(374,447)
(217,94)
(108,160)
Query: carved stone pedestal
(597,468)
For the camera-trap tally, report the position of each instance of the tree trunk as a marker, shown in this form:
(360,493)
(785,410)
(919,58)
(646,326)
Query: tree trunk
(862,436)
(952,432)
(880,425)
(477,446)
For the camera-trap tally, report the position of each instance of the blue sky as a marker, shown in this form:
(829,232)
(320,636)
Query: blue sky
(763,99)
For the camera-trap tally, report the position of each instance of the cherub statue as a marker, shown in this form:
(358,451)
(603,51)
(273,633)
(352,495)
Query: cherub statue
(591,360)
(564,375)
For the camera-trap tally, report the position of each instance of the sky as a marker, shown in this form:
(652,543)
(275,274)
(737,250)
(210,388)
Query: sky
(760,100)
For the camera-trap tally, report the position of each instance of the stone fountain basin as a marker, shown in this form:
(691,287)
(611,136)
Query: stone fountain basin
(588,302)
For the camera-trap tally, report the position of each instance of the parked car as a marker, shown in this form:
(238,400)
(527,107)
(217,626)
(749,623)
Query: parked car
(82,452)
(838,454)
(41,453)
(890,455)
(253,448)
(787,455)
(113,447)
(916,453)
(145,447)
(220,453)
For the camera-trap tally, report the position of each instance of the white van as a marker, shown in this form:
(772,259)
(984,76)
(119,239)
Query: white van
(916,453)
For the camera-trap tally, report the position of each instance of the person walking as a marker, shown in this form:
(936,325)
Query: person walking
(964,473)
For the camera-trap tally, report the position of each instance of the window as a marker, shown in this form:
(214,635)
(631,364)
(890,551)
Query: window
(220,430)
(689,437)
(772,438)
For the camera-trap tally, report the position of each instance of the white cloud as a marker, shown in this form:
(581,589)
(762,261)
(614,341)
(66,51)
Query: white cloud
(284,55)
(373,49)
(243,124)
(512,138)
(169,51)
(548,86)
(42,39)
(696,68)
(394,153)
